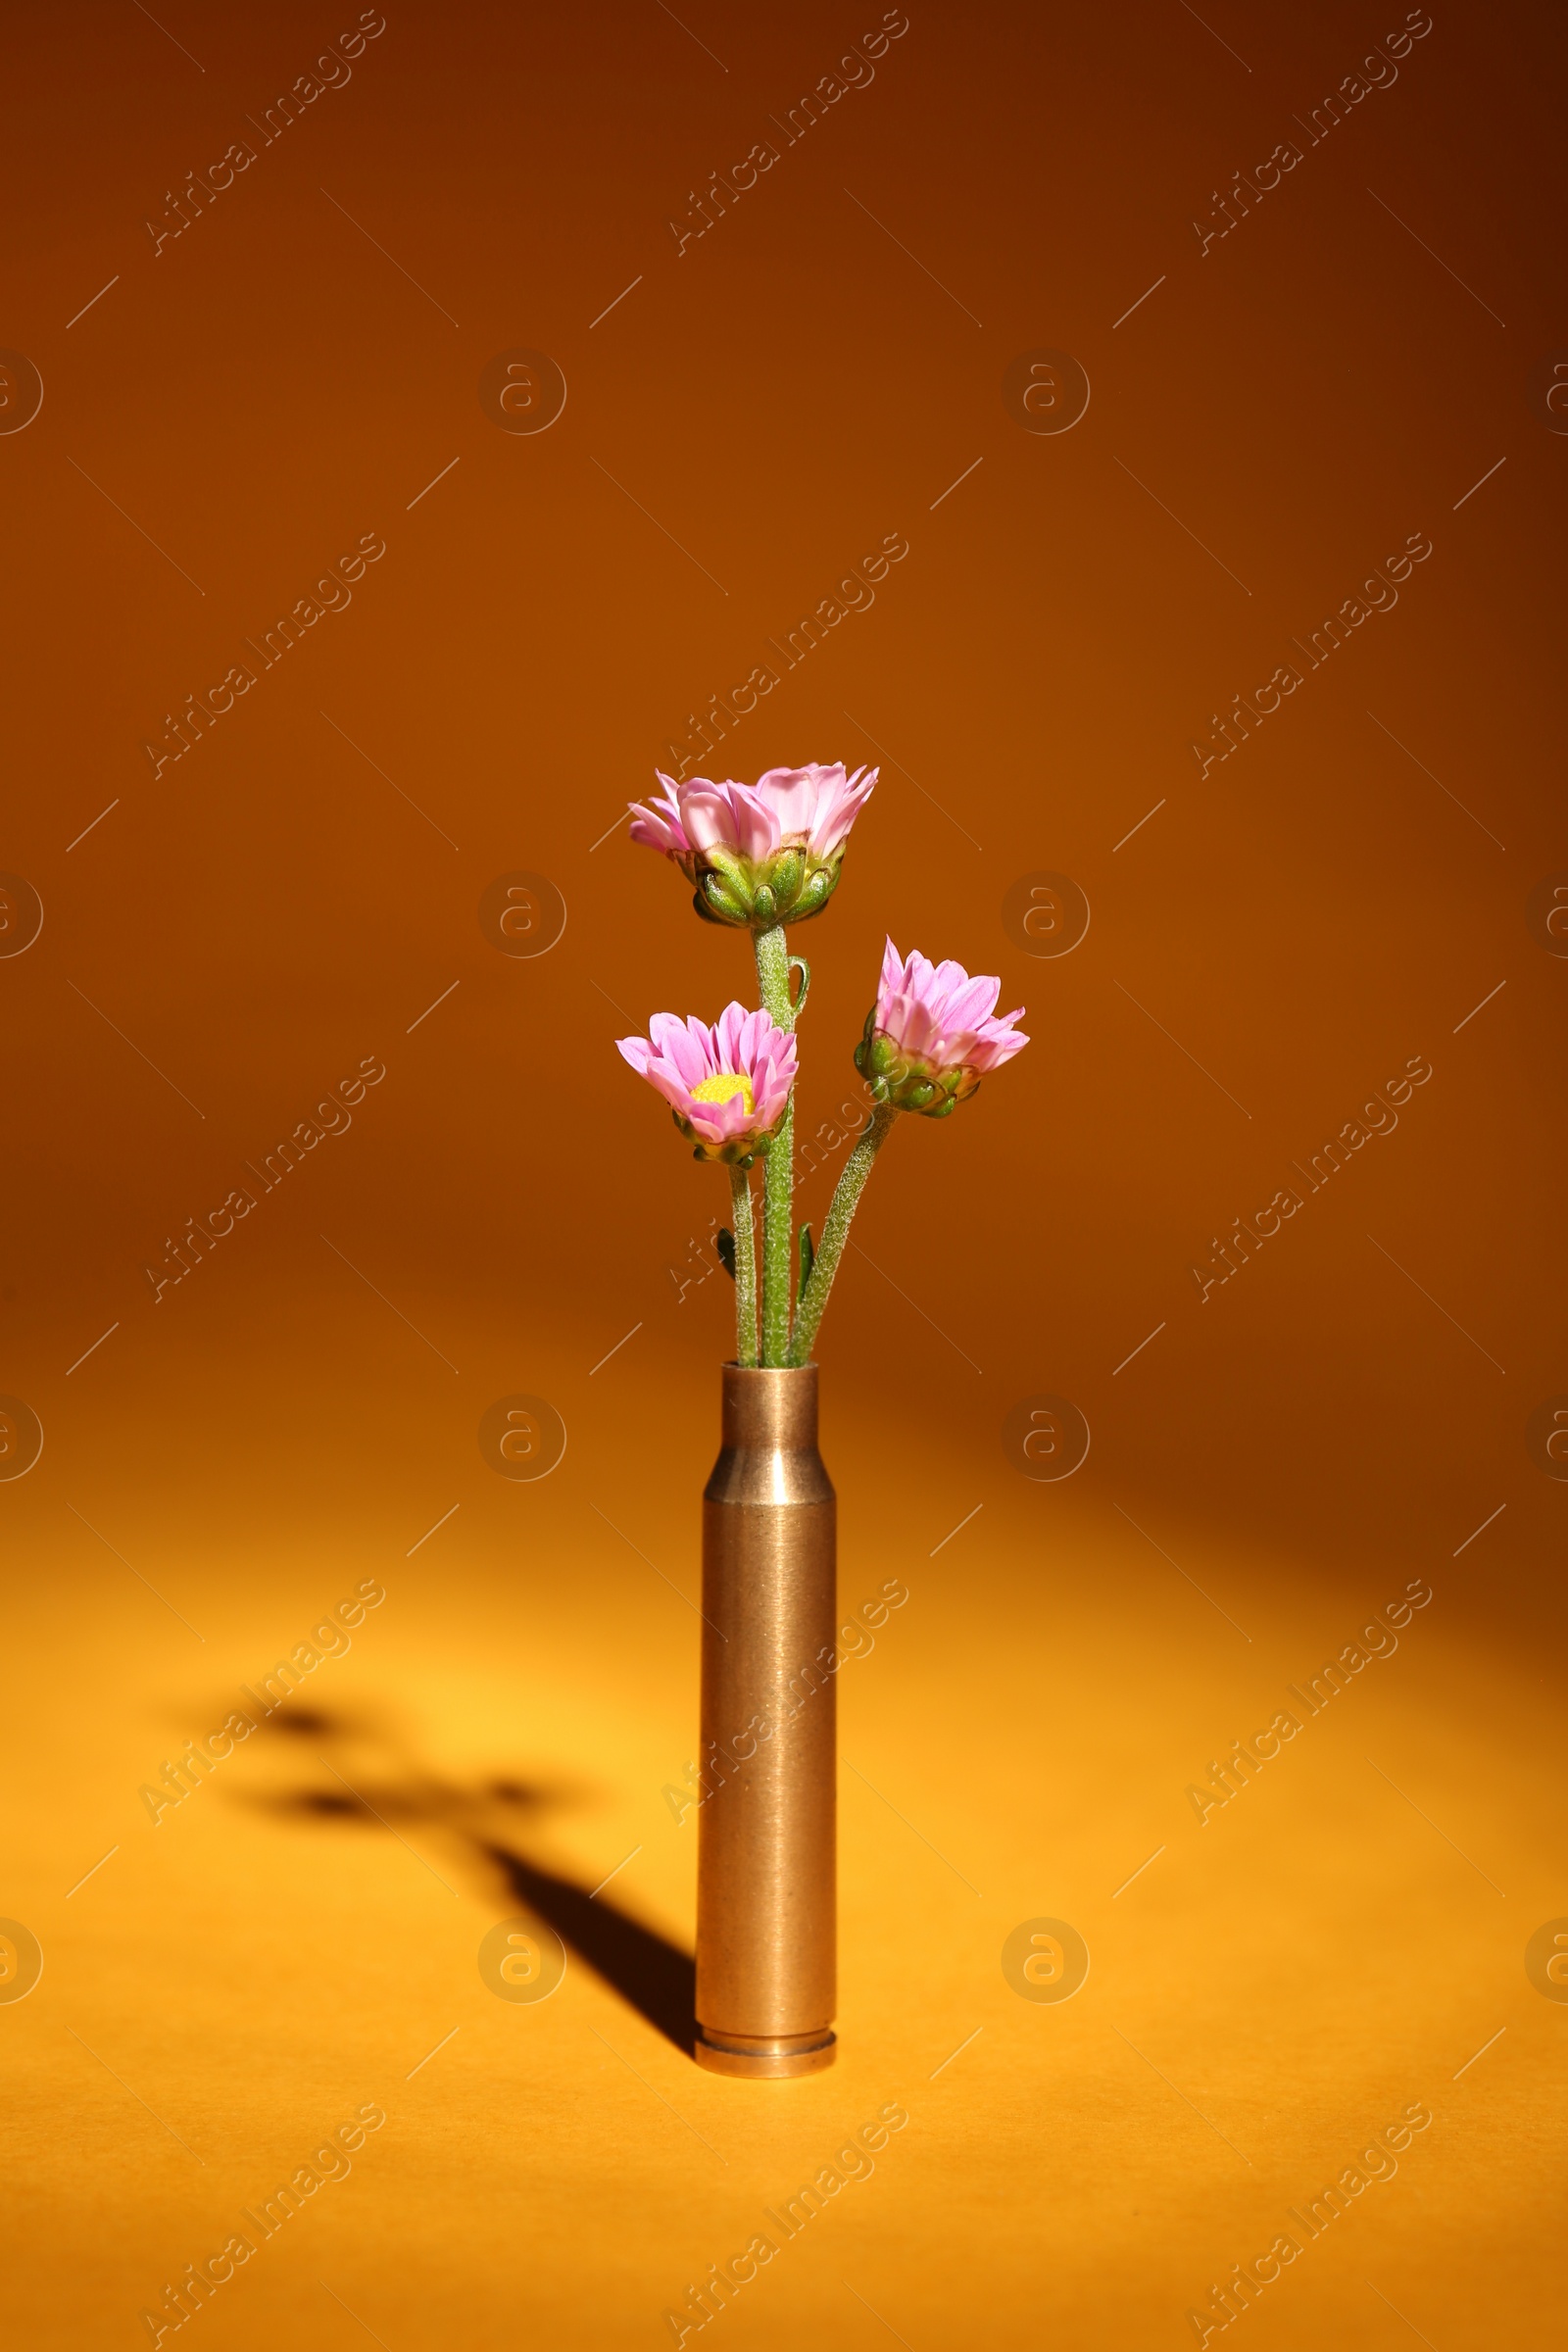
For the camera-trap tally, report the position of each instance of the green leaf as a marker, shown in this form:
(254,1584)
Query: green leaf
(724,1243)
(798,963)
(808,1256)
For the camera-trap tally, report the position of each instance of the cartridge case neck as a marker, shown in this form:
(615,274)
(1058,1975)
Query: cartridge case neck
(768,1448)
(771,1411)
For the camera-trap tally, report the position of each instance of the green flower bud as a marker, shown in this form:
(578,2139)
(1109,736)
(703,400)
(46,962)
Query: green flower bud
(817,890)
(904,1081)
(780,889)
(786,873)
(721,901)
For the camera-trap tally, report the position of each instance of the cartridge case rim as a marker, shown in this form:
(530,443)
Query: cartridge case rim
(764,2058)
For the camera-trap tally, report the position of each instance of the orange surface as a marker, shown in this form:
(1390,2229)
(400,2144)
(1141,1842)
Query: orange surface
(1273,936)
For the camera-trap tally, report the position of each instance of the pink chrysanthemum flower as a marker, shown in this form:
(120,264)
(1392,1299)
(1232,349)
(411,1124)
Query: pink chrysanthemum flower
(727,1085)
(932,1034)
(760,853)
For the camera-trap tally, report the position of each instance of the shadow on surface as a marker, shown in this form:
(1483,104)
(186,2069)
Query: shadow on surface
(653,1974)
(480,1821)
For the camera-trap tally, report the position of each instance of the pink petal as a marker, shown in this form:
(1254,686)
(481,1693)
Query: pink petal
(892,975)
(973,1004)
(707,818)
(792,795)
(669,1081)
(913,1026)
(770,1097)
(651,831)
(992,1051)
(659,825)
(838,810)
(756,1037)
(729,1036)
(677,1047)
(701,1050)
(756,827)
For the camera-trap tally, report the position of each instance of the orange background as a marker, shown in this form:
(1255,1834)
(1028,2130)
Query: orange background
(759,410)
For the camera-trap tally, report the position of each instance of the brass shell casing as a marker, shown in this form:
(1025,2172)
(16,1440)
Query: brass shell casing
(766,1860)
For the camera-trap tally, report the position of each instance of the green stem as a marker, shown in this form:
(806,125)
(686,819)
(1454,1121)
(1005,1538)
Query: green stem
(778,1181)
(740,1196)
(836,1231)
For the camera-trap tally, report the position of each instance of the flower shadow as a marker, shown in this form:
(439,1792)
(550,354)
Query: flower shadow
(372,1780)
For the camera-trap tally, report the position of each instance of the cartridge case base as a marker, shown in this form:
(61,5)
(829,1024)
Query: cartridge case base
(764,2057)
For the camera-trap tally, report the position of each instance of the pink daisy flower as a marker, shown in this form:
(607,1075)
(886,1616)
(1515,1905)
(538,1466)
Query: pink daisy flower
(933,1033)
(760,853)
(728,1084)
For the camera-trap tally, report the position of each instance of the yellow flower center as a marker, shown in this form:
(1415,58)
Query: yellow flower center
(721,1087)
